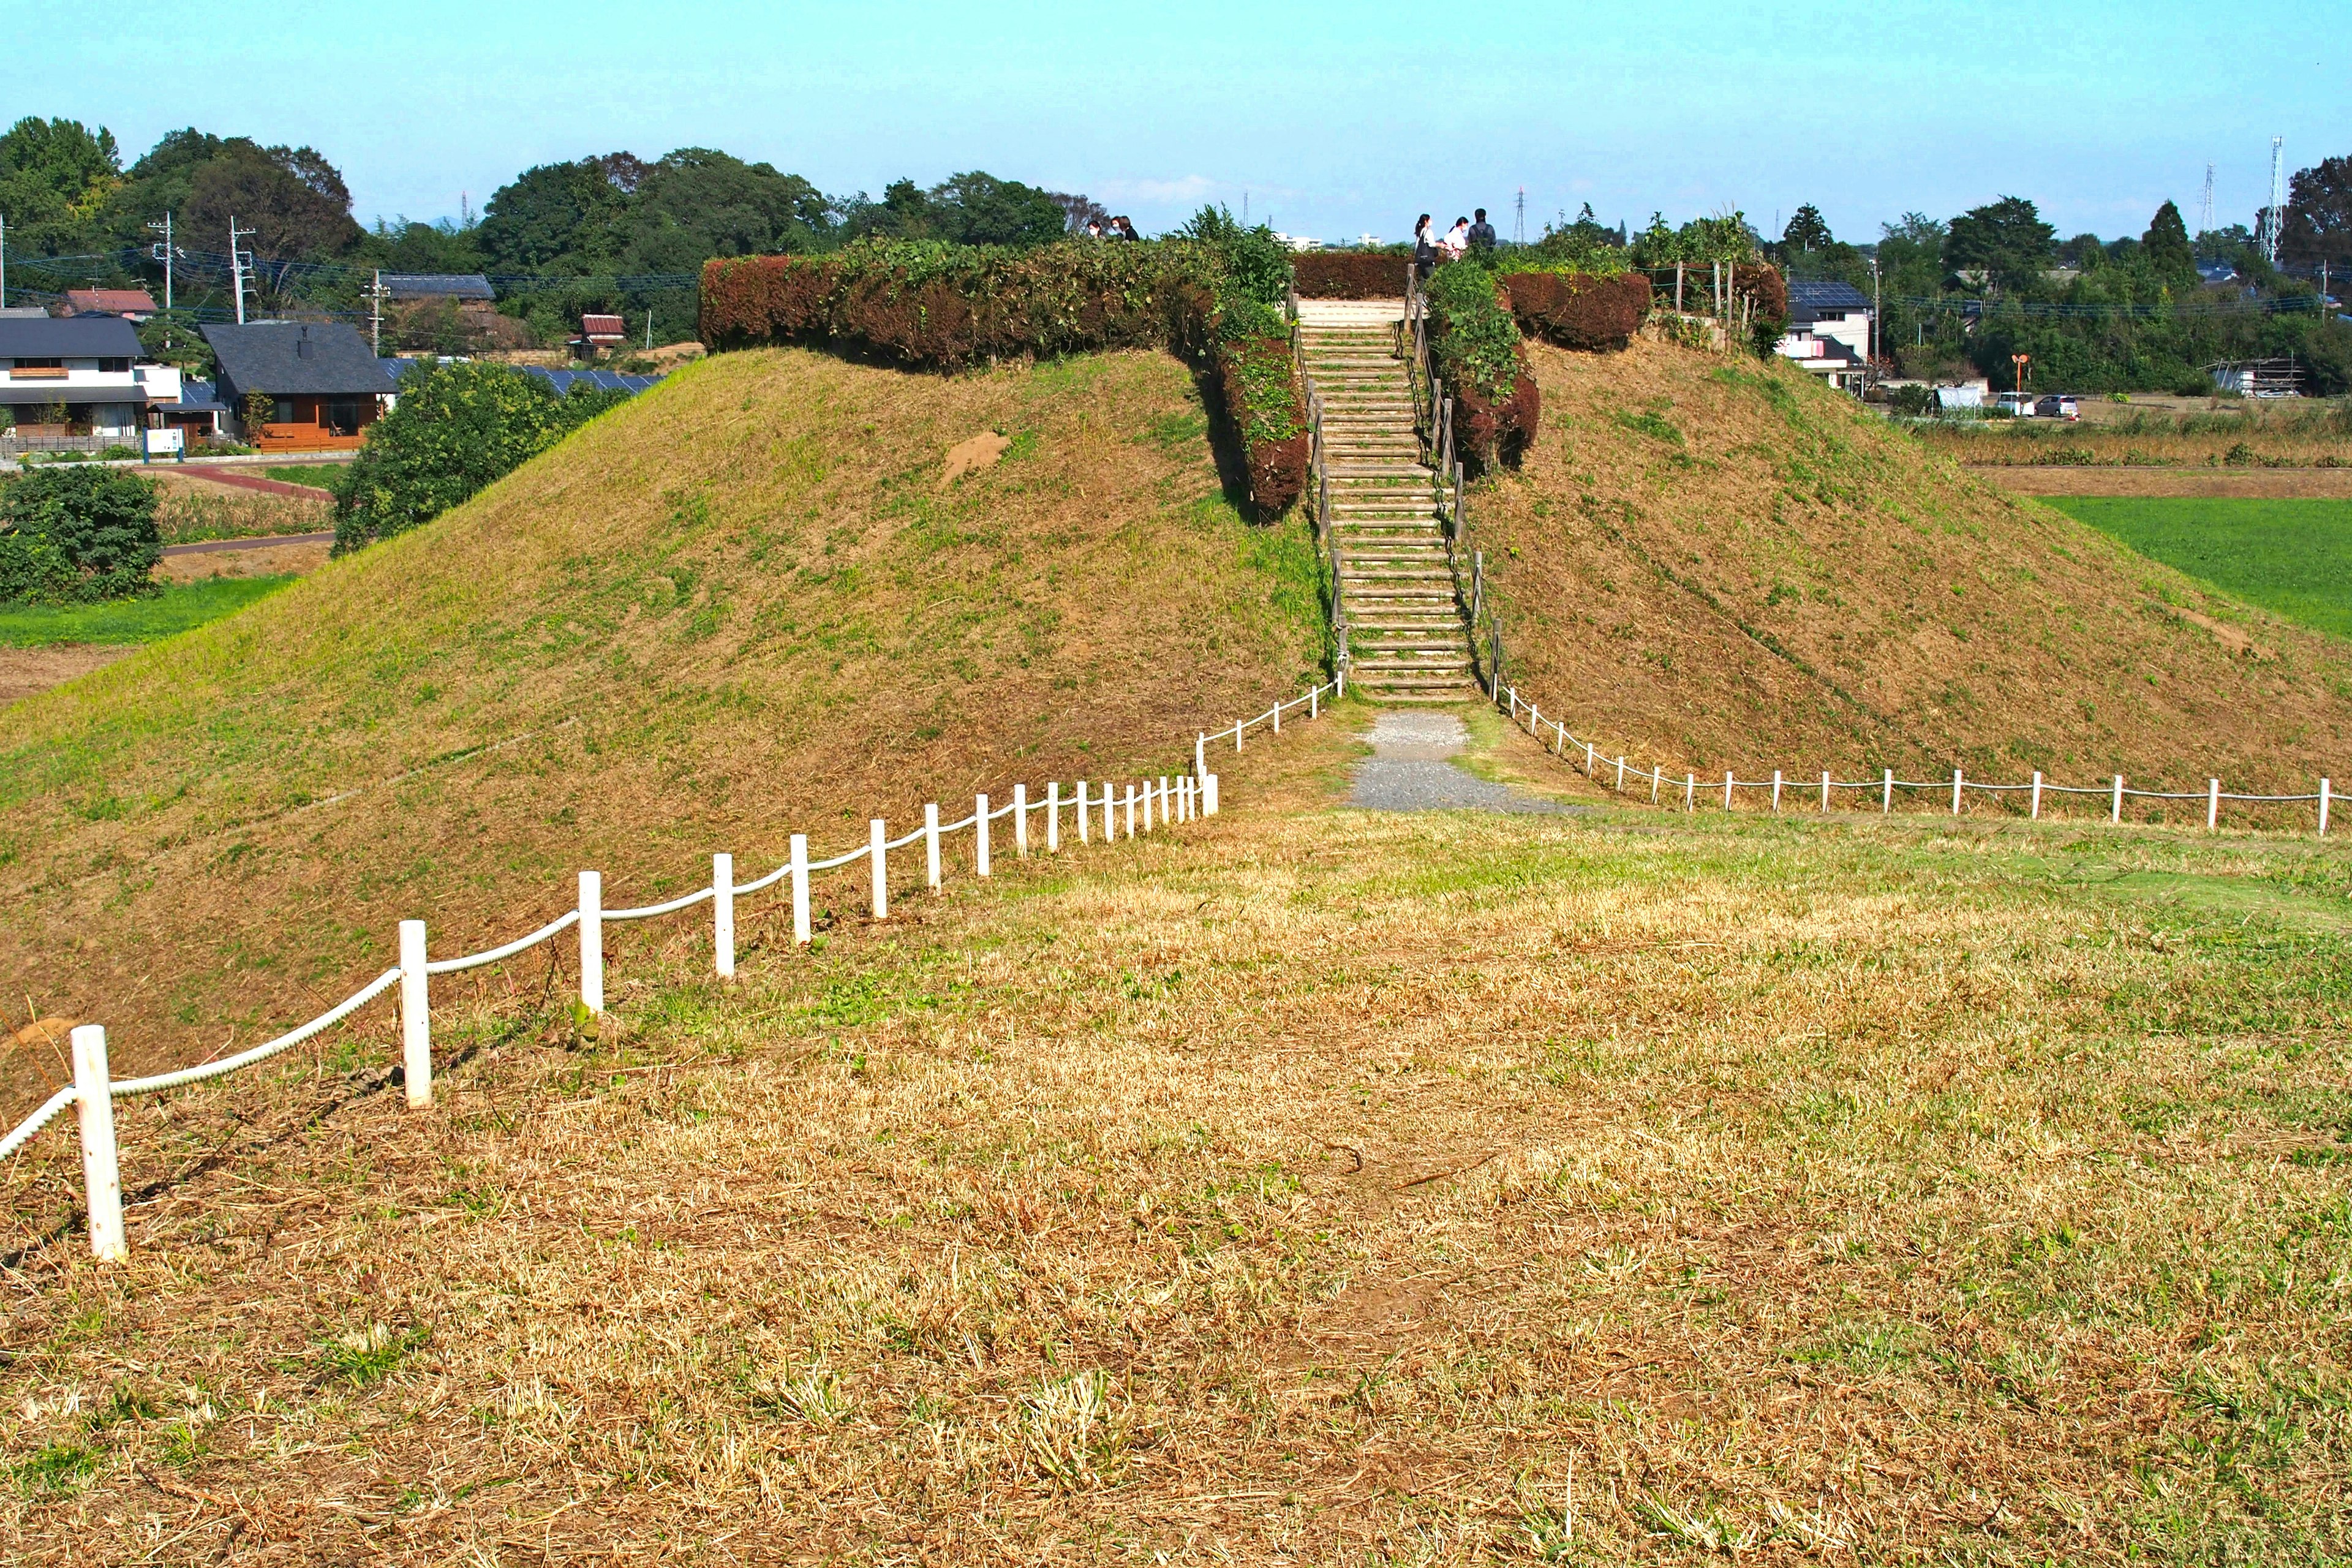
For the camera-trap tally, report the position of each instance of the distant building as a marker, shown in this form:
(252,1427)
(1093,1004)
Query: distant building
(599,332)
(323,387)
(1829,332)
(130,304)
(73,376)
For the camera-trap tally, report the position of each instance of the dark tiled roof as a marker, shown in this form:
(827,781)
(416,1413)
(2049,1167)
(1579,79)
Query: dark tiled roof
(67,337)
(1812,298)
(266,356)
(437,286)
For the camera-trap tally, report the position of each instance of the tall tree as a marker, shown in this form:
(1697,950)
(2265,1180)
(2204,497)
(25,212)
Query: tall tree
(1806,230)
(2005,240)
(292,197)
(2319,225)
(2165,246)
(54,177)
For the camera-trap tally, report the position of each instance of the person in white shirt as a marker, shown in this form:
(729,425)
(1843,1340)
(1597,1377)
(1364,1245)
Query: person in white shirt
(1456,243)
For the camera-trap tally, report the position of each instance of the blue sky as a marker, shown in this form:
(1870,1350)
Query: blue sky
(1335,118)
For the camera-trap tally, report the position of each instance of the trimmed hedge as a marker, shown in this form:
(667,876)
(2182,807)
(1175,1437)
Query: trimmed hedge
(1578,311)
(944,307)
(1483,363)
(1349,275)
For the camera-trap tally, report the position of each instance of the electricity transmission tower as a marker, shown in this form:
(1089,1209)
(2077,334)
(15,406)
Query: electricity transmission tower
(2205,212)
(2274,216)
(1519,223)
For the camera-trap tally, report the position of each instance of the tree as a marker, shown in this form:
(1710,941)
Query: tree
(2319,225)
(558,212)
(2006,240)
(2165,246)
(1806,230)
(55,178)
(100,523)
(1077,211)
(971,208)
(291,197)
(456,428)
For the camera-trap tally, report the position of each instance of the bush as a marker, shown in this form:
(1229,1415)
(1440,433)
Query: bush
(34,571)
(456,428)
(1578,311)
(1259,378)
(1478,348)
(99,524)
(1350,275)
(1918,402)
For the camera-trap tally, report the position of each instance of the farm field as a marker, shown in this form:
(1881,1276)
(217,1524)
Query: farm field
(1624,1187)
(2298,434)
(2290,557)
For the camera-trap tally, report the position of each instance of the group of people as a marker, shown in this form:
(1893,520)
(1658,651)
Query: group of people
(1110,228)
(1430,246)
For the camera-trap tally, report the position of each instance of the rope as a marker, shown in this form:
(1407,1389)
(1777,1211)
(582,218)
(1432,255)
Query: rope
(474,961)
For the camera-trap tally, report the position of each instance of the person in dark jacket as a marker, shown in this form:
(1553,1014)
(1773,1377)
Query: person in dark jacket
(1481,234)
(1124,228)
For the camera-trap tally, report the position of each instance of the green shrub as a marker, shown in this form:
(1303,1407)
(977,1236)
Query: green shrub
(34,571)
(1916,401)
(1477,343)
(456,428)
(99,522)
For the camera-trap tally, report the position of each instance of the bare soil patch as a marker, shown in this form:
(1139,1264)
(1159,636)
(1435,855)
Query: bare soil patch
(2052,480)
(26,670)
(260,559)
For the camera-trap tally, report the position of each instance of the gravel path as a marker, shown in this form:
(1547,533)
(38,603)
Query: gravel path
(1411,770)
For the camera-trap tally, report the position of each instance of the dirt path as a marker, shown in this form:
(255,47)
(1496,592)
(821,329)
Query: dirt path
(26,670)
(2052,479)
(1412,769)
(299,554)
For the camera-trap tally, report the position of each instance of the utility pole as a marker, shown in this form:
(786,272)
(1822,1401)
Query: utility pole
(165,253)
(1877,327)
(2205,212)
(649,329)
(2277,211)
(237,264)
(376,314)
(3,259)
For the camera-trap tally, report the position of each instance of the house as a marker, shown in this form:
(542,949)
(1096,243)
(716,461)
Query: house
(462,289)
(130,304)
(197,412)
(599,332)
(1829,331)
(321,384)
(75,377)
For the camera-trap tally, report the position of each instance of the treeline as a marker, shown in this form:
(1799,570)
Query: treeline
(616,232)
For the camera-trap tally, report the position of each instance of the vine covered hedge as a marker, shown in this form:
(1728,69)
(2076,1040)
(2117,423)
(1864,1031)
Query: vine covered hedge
(1479,354)
(1578,311)
(77,535)
(1213,292)
(1350,274)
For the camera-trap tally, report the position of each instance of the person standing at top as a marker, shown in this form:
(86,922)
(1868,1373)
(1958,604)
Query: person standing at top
(1093,228)
(1481,234)
(1456,243)
(1424,248)
(1124,228)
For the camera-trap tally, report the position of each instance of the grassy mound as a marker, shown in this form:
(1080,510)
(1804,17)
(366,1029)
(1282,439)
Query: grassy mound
(748,603)
(1720,565)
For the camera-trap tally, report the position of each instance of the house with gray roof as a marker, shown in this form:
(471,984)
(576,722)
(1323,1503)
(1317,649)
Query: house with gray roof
(300,386)
(1829,331)
(74,377)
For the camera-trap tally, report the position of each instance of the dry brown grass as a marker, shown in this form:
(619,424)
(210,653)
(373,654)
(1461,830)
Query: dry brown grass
(2285,484)
(737,607)
(1718,565)
(2199,434)
(1301,1186)
(190,510)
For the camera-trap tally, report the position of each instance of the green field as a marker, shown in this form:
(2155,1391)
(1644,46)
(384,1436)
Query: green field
(2293,557)
(176,609)
(318,476)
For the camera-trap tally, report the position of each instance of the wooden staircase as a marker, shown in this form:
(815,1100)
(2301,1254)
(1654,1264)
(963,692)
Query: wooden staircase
(1406,641)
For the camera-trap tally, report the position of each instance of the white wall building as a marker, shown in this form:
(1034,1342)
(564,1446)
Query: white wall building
(1829,332)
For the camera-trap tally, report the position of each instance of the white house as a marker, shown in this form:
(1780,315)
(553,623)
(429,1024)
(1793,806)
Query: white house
(78,375)
(1829,332)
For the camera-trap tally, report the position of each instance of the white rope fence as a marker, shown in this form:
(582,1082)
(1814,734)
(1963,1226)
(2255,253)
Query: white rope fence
(1112,810)
(1556,737)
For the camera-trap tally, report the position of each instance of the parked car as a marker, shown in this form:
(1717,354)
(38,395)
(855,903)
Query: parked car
(2019,404)
(2055,406)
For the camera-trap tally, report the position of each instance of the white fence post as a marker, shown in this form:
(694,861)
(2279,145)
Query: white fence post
(1588,759)
(1085,816)
(1021,821)
(1955,792)
(1886,800)
(980,834)
(1200,753)
(1726,790)
(1825,795)
(1110,793)
(2212,805)
(1690,792)
(876,839)
(1621,776)
(1130,811)
(2037,795)
(1776,792)
(1340,682)
(2323,808)
(1208,794)
(931,843)
(1054,818)
(1658,777)
(102,1177)
(800,888)
(415,1018)
(591,941)
(2117,814)
(1278,717)
(722,914)
(1314,702)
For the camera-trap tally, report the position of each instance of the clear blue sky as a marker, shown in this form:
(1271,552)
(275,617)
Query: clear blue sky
(1336,119)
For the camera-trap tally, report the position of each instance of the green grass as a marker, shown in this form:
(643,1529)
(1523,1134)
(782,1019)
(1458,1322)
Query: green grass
(2293,557)
(318,476)
(177,608)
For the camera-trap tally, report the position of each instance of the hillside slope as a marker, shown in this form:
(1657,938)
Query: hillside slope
(1721,564)
(747,604)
